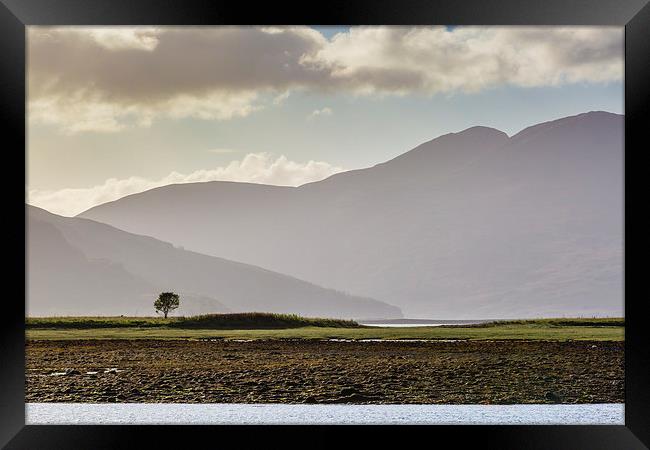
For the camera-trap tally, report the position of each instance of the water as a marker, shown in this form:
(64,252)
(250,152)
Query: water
(418,323)
(407,324)
(237,413)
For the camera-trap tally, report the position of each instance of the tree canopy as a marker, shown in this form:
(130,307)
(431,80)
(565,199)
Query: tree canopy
(166,302)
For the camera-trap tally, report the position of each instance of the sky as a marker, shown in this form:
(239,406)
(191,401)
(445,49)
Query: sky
(115,111)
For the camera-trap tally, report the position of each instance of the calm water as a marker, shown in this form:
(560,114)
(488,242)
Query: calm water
(405,324)
(419,323)
(234,413)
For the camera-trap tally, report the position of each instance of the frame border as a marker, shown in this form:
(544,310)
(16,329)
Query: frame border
(15,15)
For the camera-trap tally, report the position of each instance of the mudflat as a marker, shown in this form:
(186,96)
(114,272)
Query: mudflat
(312,371)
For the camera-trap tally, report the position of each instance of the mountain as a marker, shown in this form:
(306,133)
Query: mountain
(473,224)
(81,267)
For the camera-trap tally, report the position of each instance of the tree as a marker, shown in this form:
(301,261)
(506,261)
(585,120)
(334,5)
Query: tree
(166,302)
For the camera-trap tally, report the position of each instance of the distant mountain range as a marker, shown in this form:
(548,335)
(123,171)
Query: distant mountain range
(81,267)
(469,225)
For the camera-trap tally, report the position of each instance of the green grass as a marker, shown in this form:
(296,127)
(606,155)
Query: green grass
(547,329)
(561,322)
(239,321)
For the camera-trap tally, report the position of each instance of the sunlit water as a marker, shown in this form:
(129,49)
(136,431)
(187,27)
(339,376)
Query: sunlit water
(405,325)
(235,413)
(421,324)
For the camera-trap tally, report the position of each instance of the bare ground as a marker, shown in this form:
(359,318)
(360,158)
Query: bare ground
(187,371)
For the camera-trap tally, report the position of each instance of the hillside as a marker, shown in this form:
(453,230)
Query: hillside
(468,225)
(81,267)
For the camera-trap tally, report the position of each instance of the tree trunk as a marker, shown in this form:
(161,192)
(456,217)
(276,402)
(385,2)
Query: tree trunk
(165,314)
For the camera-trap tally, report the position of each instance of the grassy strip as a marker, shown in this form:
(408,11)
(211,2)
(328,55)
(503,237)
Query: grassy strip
(497,332)
(558,322)
(208,321)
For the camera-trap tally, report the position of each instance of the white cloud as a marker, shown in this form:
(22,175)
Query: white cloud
(108,79)
(80,112)
(280,99)
(253,168)
(430,60)
(118,38)
(320,112)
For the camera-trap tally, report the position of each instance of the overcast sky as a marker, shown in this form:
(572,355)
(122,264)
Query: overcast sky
(114,111)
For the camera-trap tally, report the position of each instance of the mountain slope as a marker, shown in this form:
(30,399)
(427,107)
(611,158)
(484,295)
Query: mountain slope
(78,266)
(61,280)
(470,224)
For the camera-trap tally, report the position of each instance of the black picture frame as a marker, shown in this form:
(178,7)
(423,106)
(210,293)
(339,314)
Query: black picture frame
(15,15)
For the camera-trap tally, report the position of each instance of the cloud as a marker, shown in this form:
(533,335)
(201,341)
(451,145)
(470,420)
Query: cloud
(320,112)
(253,168)
(89,79)
(222,150)
(431,60)
(280,99)
(119,38)
(81,111)
(108,79)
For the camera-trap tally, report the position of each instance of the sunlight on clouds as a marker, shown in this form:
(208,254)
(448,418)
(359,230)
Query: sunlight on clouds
(81,112)
(430,60)
(110,38)
(253,168)
(218,105)
(107,79)
(123,37)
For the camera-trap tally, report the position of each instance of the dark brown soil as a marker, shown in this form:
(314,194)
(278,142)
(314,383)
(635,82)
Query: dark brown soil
(325,372)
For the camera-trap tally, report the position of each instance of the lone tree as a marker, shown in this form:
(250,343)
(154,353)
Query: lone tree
(167,301)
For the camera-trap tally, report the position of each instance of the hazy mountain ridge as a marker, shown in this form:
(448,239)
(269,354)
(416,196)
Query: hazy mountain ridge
(81,267)
(470,224)
(60,278)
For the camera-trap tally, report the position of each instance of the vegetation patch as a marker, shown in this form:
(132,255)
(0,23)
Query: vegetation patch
(557,322)
(241,321)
